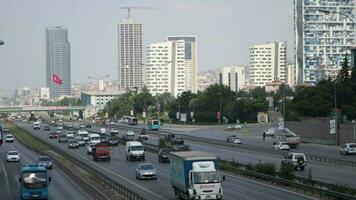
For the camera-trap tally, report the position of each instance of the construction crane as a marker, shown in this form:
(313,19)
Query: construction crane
(136,7)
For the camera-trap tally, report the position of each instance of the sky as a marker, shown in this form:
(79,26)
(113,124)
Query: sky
(225,30)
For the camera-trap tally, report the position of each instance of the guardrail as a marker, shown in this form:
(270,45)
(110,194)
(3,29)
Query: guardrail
(121,189)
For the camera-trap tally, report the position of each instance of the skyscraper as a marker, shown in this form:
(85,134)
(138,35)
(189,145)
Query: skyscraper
(130,55)
(190,56)
(58,61)
(233,76)
(323,34)
(267,63)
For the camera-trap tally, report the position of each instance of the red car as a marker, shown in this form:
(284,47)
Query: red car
(53,135)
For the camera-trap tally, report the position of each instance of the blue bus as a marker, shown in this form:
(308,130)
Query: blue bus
(154,124)
(34,182)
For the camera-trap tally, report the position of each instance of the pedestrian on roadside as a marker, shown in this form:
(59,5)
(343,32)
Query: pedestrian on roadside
(264,135)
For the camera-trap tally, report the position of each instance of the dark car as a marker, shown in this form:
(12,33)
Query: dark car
(53,135)
(73,144)
(47,128)
(104,139)
(113,141)
(163,155)
(45,161)
(88,126)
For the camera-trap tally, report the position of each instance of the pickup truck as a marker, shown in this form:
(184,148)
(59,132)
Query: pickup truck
(194,175)
(101,152)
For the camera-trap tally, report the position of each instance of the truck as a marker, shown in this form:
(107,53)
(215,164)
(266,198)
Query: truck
(34,182)
(194,175)
(101,152)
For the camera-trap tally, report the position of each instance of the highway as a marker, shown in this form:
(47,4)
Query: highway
(234,187)
(61,186)
(320,171)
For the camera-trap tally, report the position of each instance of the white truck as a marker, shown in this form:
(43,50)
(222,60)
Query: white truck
(194,175)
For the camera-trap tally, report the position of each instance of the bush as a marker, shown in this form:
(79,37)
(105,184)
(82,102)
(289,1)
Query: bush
(287,172)
(266,168)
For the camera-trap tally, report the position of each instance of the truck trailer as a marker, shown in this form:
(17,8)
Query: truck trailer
(194,175)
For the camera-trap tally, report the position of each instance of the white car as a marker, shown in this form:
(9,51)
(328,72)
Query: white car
(236,140)
(234,127)
(13,156)
(9,138)
(348,148)
(70,134)
(114,131)
(281,146)
(270,132)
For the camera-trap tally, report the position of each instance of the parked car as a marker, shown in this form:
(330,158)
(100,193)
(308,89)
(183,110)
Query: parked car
(70,134)
(47,128)
(9,138)
(45,161)
(113,141)
(146,171)
(270,132)
(53,135)
(348,148)
(13,156)
(281,146)
(62,138)
(73,144)
(297,160)
(234,127)
(163,155)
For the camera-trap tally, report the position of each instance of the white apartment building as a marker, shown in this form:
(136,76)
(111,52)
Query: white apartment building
(233,76)
(44,93)
(267,63)
(291,75)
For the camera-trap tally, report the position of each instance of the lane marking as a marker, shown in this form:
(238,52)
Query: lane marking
(6,179)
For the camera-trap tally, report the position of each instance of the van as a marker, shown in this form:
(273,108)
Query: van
(84,134)
(36,125)
(94,138)
(134,150)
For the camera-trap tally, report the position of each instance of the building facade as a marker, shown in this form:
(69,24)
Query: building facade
(130,55)
(267,62)
(190,60)
(323,35)
(44,93)
(291,75)
(165,68)
(97,99)
(233,76)
(58,61)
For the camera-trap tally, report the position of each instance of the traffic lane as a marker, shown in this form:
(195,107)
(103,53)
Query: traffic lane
(61,186)
(127,169)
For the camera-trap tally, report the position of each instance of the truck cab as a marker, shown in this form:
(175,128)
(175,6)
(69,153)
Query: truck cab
(34,182)
(101,152)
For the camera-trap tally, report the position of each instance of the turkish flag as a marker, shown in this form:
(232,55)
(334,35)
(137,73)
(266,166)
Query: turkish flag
(56,79)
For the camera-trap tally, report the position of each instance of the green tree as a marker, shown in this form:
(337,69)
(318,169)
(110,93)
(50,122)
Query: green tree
(343,74)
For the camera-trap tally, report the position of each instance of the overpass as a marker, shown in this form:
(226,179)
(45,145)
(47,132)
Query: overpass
(40,108)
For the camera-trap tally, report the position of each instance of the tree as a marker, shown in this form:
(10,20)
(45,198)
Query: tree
(343,74)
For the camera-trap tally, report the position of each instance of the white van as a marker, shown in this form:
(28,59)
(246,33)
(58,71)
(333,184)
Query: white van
(134,150)
(94,138)
(36,125)
(84,134)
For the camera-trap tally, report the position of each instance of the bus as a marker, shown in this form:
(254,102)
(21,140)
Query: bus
(132,121)
(34,182)
(154,124)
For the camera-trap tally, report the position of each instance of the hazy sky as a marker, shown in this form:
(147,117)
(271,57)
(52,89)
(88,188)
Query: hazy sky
(225,30)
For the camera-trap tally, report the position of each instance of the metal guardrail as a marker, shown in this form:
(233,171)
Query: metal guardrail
(121,189)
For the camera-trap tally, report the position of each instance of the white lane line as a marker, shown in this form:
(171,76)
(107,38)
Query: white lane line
(6,180)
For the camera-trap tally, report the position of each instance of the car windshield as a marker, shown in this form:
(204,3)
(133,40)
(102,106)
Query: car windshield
(35,180)
(12,153)
(9,136)
(136,148)
(73,142)
(205,177)
(164,151)
(146,167)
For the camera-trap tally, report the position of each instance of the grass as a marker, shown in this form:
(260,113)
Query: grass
(26,138)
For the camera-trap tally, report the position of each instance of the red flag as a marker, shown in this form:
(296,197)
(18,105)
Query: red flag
(56,79)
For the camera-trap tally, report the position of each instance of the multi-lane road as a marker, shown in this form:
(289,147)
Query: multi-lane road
(61,186)
(120,169)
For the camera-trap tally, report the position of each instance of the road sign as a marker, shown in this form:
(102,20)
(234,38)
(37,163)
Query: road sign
(177,115)
(332,126)
(144,114)
(183,117)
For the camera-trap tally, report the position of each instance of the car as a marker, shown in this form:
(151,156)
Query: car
(45,161)
(5,130)
(143,134)
(70,134)
(59,128)
(237,140)
(163,155)
(82,126)
(113,141)
(88,126)
(146,171)
(90,148)
(114,131)
(129,136)
(281,146)
(297,160)
(104,139)
(53,122)
(9,138)
(47,128)
(62,138)
(231,138)
(53,135)
(73,144)
(13,156)
(270,132)
(80,140)
(234,127)
(348,148)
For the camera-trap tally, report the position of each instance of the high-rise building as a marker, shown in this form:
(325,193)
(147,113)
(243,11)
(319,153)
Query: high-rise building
(44,93)
(58,61)
(267,63)
(291,75)
(130,55)
(165,67)
(233,76)
(323,34)
(190,56)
